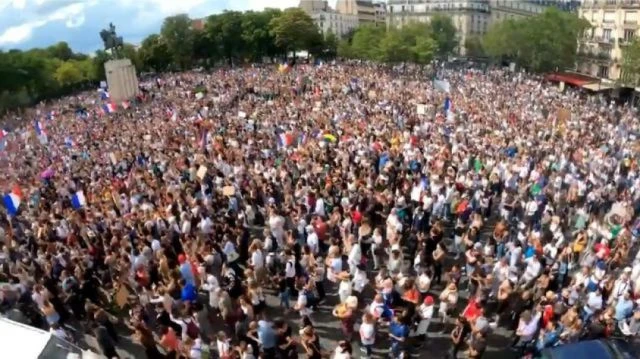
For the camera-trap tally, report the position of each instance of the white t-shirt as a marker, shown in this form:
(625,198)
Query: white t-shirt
(302,304)
(367,334)
(257,259)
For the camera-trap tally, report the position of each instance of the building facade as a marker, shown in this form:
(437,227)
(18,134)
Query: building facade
(510,9)
(367,11)
(470,17)
(313,6)
(335,22)
(614,25)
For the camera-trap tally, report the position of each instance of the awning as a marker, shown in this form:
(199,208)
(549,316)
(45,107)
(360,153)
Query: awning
(569,78)
(598,86)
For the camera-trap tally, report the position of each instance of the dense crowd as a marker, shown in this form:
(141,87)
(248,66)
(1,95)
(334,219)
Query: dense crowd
(484,201)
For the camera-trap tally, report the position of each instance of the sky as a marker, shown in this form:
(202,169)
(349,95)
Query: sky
(25,24)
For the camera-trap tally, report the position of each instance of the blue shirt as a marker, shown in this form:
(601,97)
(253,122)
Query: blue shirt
(189,293)
(187,273)
(624,308)
(398,330)
(266,335)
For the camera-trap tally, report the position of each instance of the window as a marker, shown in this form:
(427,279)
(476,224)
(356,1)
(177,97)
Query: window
(629,34)
(606,34)
(609,16)
(603,71)
(631,17)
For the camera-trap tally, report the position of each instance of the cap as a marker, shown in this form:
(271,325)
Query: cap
(428,300)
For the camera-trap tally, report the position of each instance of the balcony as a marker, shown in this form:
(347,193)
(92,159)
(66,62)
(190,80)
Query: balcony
(610,4)
(601,57)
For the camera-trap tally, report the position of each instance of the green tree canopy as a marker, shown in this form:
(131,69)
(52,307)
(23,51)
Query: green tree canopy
(154,53)
(545,42)
(294,30)
(631,63)
(443,32)
(178,34)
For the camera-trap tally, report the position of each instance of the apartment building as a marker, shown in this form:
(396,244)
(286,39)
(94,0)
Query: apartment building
(313,6)
(470,17)
(367,11)
(614,25)
(335,22)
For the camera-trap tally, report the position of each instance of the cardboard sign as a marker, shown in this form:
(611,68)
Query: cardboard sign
(122,297)
(202,171)
(228,190)
(242,114)
(421,109)
(563,115)
(372,94)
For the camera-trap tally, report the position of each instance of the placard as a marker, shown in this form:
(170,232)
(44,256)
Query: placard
(228,190)
(242,114)
(202,171)
(421,109)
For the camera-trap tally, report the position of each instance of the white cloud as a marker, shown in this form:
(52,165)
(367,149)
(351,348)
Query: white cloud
(20,33)
(75,21)
(72,15)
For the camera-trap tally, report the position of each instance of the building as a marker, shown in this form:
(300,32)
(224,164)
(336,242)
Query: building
(367,11)
(614,25)
(470,17)
(313,6)
(335,22)
(510,9)
(198,24)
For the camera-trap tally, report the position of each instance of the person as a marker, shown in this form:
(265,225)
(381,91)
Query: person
(458,335)
(310,343)
(367,333)
(425,314)
(398,334)
(477,345)
(343,350)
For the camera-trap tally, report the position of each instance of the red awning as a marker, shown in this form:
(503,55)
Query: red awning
(571,78)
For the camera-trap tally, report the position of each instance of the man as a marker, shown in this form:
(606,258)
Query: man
(457,337)
(398,333)
(267,337)
(477,346)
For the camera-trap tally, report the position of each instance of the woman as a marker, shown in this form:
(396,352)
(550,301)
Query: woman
(50,312)
(448,301)
(311,343)
(145,338)
(345,314)
(223,345)
(343,350)
(257,297)
(367,334)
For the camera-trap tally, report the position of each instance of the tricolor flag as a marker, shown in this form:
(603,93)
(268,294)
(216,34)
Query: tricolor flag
(448,108)
(3,134)
(51,115)
(302,139)
(68,141)
(39,127)
(285,139)
(78,200)
(12,200)
(104,95)
(109,108)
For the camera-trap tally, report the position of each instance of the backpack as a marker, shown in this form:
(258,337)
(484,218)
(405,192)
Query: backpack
(192,329)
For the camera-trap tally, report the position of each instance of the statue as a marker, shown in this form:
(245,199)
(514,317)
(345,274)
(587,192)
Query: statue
(112,41)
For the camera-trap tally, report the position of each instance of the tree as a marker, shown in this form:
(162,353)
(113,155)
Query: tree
(344,49)
(258,39)
(366,42)
(61,51)
(546,42)
(129,51)
(68,74)
(293,30)
(393,48)
(154,53)
(631,63)
(474,47)
(225,33)
(331,45)
(178,35)
(443,32)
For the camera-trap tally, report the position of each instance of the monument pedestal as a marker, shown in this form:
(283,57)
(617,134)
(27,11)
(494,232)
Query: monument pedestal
(121,79)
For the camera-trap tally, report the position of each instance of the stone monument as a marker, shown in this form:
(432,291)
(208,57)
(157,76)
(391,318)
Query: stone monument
(121,74)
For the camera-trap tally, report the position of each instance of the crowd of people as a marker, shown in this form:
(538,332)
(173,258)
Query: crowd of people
(224,212)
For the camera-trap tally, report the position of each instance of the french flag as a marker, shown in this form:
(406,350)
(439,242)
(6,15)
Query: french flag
(104,95)
(78,200)
(109,108)
(68,141)
(448,108)
(285,139)
(51,115)
(39,127)
(3,134)
(12,200)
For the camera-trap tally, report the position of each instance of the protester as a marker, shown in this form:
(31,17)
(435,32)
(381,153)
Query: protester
(515,200)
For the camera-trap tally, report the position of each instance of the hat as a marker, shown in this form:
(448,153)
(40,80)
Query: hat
(428,300)
(181,258)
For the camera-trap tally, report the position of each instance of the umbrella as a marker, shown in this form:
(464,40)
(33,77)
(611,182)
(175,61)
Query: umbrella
(46,174)
(329,137)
